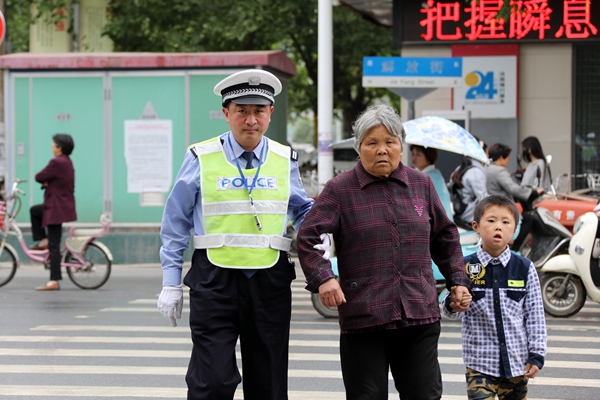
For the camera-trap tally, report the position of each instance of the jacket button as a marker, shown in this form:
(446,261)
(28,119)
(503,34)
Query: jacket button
(353,284)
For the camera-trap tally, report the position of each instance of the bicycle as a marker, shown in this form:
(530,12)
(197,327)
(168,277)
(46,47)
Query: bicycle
(86,260)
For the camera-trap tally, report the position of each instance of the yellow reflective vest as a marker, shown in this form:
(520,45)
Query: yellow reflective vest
(232,238)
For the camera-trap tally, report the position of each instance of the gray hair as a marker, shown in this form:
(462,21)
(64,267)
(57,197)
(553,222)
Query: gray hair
(374,116)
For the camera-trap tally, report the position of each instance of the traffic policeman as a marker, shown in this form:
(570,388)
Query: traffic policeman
(236,193)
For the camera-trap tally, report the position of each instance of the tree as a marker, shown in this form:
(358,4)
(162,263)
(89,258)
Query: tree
(18,18)
(291,26)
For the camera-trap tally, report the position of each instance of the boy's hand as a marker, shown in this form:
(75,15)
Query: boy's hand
(460,298)
(531,370)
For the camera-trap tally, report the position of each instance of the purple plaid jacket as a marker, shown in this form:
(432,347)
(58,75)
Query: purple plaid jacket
(386,232)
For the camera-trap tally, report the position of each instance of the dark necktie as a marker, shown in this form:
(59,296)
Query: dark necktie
(248,156)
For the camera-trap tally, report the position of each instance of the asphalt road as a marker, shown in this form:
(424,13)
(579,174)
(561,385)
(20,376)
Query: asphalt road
(112,343)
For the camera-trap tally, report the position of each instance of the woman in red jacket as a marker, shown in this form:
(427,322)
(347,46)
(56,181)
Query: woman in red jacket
(58,178)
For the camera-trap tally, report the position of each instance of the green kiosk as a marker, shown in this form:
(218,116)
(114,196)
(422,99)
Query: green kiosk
(132,117)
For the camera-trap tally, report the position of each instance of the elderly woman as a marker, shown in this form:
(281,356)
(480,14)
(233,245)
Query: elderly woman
(388,223)
(423,159)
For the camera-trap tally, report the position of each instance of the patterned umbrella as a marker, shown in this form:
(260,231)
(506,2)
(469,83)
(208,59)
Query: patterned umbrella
(443,134)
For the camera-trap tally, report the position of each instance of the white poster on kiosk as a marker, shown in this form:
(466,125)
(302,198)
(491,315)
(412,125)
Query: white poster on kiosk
(148,155)
(489,87)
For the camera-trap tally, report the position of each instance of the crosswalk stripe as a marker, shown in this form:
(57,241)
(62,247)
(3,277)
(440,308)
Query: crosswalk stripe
(154,392)
(91,369)
(292,373)
(134,328)
(99,391)
(292,356)
(95,339)
(295,356)
(331,322)
(293,342)
(112,328)
(304,343)
(95,391)
(171,393)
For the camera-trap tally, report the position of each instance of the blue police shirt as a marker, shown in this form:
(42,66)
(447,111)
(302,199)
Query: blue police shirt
(183,209)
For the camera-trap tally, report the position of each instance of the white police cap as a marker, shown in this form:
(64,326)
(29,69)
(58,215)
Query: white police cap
(252,86)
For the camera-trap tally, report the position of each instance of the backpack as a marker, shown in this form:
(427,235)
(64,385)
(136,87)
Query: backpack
(455,198)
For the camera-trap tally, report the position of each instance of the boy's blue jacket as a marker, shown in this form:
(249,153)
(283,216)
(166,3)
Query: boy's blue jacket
(504,327)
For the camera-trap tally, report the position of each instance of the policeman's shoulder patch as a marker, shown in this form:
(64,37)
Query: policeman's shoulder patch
(294,155)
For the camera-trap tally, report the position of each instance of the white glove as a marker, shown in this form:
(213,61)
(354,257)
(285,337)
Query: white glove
(170,303)
(325,245)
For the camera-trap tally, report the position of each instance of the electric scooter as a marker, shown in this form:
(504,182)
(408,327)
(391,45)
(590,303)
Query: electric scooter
(567,279)
(548,237)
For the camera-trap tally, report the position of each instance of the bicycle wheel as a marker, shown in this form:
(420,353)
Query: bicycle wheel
(96,270)
(8,265)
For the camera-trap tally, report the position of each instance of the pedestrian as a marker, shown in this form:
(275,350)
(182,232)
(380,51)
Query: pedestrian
(236,193)
(504,330)
(537,173)
(499,182)
(469,182)
(423,159)
(58,181)
(388,224)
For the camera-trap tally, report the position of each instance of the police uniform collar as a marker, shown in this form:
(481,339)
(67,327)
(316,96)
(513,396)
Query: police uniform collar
(252,86)
(237,150)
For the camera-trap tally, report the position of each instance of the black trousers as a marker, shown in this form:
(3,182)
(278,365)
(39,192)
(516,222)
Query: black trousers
(526,226)
(54,235)
(411,354)
(225,304)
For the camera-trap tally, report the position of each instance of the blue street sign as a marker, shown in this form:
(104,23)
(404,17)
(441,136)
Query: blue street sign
(426,72)
(413,66)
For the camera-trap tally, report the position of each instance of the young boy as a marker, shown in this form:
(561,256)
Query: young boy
(504,329)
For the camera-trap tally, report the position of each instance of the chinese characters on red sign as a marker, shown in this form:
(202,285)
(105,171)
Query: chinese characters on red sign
(446,21)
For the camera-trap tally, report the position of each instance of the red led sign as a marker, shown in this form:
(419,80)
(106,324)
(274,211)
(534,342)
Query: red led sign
(530,21)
